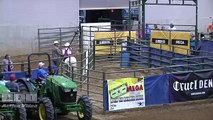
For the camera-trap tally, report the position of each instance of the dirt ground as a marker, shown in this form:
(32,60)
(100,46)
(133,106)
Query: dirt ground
(196,110)
(193,110)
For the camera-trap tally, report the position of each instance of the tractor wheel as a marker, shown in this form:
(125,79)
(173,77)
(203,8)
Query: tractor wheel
(45,109)
(21,113)
(86,108)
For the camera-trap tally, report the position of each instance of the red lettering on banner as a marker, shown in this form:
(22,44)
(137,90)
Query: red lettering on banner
(134,88)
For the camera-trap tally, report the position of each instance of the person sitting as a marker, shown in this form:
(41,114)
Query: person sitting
(42,74)
(12,85)
(7,63)
(2,81)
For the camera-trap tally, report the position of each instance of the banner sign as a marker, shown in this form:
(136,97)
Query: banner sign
(174,41)
(125,93)
(160,41)
(191,86)
(180,42)
(110,42)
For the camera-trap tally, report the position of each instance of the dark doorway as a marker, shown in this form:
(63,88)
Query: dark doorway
(114,16)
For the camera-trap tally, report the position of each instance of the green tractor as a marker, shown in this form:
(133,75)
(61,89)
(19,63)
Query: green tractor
(56,96)
(11,109)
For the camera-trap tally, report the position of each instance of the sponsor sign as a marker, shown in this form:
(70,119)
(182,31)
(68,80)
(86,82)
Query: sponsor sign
(191,86)
(125,93)
(180,42)
(174,41)
(160,41)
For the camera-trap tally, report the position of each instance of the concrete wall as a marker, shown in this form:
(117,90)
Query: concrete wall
(103,4)
(20,19)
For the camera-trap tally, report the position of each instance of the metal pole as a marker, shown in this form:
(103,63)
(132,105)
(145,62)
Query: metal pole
(22,66)
(134,74)
(149,64)
(60,36)
(93,55)
(39,41)
(90,37)
(80,37)
(72,68)
(196,26)
(129,19)
(88,79)
(140,13)
(143,20)
(104,97)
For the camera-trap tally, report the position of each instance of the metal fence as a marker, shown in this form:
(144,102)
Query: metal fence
(94,69)
(46,37)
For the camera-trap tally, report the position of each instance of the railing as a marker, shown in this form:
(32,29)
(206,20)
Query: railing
(46,37)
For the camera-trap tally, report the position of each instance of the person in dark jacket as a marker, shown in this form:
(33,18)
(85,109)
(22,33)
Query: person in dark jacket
(12,85)
(56,53)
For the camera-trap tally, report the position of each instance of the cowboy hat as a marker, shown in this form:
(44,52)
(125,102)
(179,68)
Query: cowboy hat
(41,64)
(67,44)
(56,42)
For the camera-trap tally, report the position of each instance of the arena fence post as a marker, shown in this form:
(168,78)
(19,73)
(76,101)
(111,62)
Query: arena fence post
(104,96)
(202,61)
(94,59)
(60,36)
(22,66)
(90,37)
(149,58)
(173,54)
(87,78)
(161,53)
(134,74)
(39,41)
(72,68)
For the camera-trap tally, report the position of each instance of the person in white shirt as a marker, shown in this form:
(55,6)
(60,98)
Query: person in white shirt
(172,27)
(67,51)
(2,81)
(8,64)
(69,57)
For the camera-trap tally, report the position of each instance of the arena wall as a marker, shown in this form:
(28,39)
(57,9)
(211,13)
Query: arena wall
(20,20)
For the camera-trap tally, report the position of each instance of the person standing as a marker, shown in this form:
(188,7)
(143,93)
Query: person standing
(210,30)
(69,56)
(7,62)
(56,53)
(156,27)
(148,32)
(67,51)
(172,27)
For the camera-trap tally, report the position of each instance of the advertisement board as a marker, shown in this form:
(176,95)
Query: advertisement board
(160,40)
(125,93)
(175,41)
(191,86)
(181,42)
(111,42)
